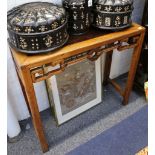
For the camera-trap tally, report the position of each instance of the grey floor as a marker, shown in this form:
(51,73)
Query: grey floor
(79,130)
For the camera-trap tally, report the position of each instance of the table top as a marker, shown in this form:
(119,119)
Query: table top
(92,39)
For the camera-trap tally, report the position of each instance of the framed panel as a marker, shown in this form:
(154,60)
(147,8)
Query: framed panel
(75,90)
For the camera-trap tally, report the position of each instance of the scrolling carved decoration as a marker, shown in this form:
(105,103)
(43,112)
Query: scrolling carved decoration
(46,71)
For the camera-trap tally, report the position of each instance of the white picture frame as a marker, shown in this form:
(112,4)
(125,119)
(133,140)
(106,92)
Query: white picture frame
(55,98)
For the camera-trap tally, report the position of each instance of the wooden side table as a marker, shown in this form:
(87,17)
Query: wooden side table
(31,68)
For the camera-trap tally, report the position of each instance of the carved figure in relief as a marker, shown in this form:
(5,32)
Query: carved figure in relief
(84,86)
(67,96)
(77,85)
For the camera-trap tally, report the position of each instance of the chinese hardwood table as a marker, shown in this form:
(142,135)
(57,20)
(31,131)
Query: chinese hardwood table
(31,68)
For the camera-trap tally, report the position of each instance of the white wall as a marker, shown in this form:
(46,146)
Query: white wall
(120,62)
(13,128)
(120,65)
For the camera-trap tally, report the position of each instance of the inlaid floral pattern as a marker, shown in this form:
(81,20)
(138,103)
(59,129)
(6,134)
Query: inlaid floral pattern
(29,29)
(54,25)
(115,14)
(23,43)
(33,27)
(117,21)
(48,40)
(43,28)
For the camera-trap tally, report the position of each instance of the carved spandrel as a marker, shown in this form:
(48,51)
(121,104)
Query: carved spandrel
(47,70)
(94,54)
(37,73)
(132,42)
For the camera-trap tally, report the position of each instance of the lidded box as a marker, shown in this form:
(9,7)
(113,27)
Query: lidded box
(112,14)
(37,27)
(78,16)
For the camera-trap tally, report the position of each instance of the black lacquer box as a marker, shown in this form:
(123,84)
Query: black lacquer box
(78,16)
(37,27)
(112,14)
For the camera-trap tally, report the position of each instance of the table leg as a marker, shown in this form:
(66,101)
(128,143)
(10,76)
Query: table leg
(21,84)
(23,90)
(108,61)
(31,97)
(133,67)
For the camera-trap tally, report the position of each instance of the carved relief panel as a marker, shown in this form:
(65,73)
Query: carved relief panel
(76,89)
